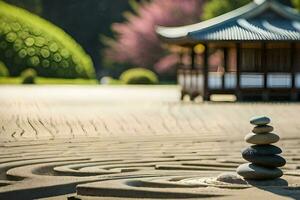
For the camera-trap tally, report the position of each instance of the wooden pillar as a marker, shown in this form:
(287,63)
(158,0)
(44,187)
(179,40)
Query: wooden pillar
(265,94)
(294,95)
(190,73)
(264,64)
(181,73)
(238,72)
(193,54)
(179,66)
(205,74)
(225,51)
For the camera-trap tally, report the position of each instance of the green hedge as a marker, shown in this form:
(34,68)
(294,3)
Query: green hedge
(28,76)
(139,76)
(3,70)
(27,40)
(48,81)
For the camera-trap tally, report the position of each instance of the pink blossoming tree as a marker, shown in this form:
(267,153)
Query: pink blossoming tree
(135,40)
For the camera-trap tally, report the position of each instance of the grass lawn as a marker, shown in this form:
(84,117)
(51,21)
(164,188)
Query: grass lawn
(49,81)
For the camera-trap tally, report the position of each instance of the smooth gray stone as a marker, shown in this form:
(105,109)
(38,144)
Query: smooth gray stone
(261,150)
(260,120)
(267,138)
(231,177)
(252,171)
(262,129)
(265,160)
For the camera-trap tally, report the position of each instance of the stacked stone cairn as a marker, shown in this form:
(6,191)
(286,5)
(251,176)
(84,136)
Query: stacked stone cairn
(263,157)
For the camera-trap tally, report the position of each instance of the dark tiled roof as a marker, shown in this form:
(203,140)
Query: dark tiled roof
(252,30)
(261,20)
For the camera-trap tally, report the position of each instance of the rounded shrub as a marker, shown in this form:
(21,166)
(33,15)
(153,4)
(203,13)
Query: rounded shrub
(3,70)
(28,76)
(139,76)
(27,40)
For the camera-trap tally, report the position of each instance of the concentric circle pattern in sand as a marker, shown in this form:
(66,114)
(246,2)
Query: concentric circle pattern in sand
(98,146)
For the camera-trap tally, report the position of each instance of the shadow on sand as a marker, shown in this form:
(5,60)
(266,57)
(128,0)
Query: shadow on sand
(278,186)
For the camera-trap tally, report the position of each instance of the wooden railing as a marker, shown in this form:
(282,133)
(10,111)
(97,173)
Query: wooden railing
(192,81)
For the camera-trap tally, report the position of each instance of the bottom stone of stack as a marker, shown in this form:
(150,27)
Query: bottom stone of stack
(255,172)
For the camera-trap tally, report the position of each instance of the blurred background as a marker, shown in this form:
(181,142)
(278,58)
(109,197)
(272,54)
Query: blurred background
(92,41)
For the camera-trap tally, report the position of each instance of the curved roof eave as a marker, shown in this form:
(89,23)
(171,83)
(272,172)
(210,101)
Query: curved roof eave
(182,31)
(178,34)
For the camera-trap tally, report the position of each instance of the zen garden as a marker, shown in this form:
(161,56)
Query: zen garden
(149,99)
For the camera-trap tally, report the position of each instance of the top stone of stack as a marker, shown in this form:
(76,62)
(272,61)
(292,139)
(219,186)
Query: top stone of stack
(260,120)
(261,133)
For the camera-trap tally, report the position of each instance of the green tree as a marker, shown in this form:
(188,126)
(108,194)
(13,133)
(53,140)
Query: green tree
(34,6)
(215,8)
(296,4)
